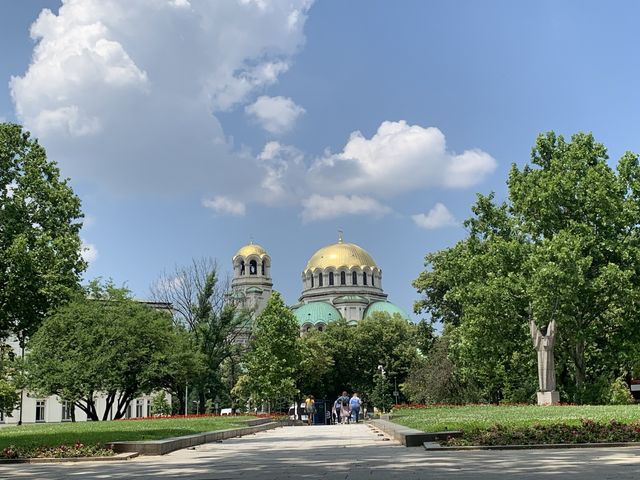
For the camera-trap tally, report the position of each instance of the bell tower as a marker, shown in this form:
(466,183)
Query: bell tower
(252,284)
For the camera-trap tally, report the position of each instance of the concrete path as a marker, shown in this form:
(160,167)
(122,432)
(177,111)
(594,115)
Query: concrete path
(345,452)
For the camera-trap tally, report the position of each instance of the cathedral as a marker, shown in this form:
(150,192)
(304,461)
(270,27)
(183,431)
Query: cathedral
(340,280)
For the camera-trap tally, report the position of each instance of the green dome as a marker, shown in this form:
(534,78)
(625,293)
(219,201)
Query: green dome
(350,299)
(386,307)
(316,312)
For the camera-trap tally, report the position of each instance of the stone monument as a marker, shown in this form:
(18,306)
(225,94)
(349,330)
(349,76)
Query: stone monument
(543,342)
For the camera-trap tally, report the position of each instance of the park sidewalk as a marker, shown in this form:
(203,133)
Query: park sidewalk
(350,452)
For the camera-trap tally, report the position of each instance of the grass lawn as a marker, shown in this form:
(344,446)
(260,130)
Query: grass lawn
(91,433)
(441,418)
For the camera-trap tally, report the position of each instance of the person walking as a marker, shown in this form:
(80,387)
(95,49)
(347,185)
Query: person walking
(310,406)
(337,406)
(344,407)
(355,403)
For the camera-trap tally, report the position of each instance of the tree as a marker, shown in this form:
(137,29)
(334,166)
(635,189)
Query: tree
(272,363)
(564,247)
(103,343)
(347,356)
(9,374)
(40,247)
(214,321)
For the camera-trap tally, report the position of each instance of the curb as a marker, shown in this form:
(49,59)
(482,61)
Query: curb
(167,445)
(114,458)
(433,446)
(410,437)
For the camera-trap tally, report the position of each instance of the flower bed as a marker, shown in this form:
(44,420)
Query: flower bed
(587,431)
(61,451)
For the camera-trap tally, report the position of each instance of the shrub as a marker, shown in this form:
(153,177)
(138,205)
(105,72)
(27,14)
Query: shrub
(619,393)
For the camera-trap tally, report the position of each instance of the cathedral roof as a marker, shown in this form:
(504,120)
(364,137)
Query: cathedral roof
(316,312)
(340,254)
(251,249)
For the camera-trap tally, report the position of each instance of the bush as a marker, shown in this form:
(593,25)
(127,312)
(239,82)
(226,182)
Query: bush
(62,451)
(159,404)
(587,432)
(619,393)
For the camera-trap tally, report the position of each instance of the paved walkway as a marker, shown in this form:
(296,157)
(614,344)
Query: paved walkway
(345,452)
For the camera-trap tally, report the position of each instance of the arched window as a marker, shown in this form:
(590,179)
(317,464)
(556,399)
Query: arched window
(320,279)
(242,271)
(312,280)
(262,268)
(364,278)
(330,278)
(354,278)
(343,278)
(373,281)
(253,267)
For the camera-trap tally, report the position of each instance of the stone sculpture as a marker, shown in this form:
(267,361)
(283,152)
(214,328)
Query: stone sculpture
(543,342)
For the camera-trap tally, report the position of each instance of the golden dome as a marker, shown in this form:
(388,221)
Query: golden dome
(340,255)
(251,249)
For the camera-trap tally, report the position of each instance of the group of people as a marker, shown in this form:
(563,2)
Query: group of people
(344,410)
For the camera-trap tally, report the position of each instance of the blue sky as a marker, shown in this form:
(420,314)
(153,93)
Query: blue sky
(189,127)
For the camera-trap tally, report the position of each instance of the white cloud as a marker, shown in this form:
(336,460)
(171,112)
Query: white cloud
(225,206)
(284,177)
(125,94)
(318,207)
(89,252)
(438,217)
(276,115)
(397,158)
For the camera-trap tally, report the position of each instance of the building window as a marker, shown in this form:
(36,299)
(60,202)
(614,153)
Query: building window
(253,267)
(39,410)
(330,278)
(148,407)
(373,282)
(311,280)
(67,411)
(139,406)
(128,414)
(343,278)
(364,278)
(320,283)
(262,268)
(242,271)
(354,278)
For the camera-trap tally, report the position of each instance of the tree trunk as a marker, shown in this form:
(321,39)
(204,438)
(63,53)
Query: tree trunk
(108,405)
(201,401)
(89,408)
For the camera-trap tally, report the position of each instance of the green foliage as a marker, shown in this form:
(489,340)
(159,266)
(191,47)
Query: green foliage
(346,357)
(564,247)
(352,354)
(273,363)
(9,375)
(433,379)
(40,261)
(380,395)
(104,342)
(619,393)
(587,431)
(159,404)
